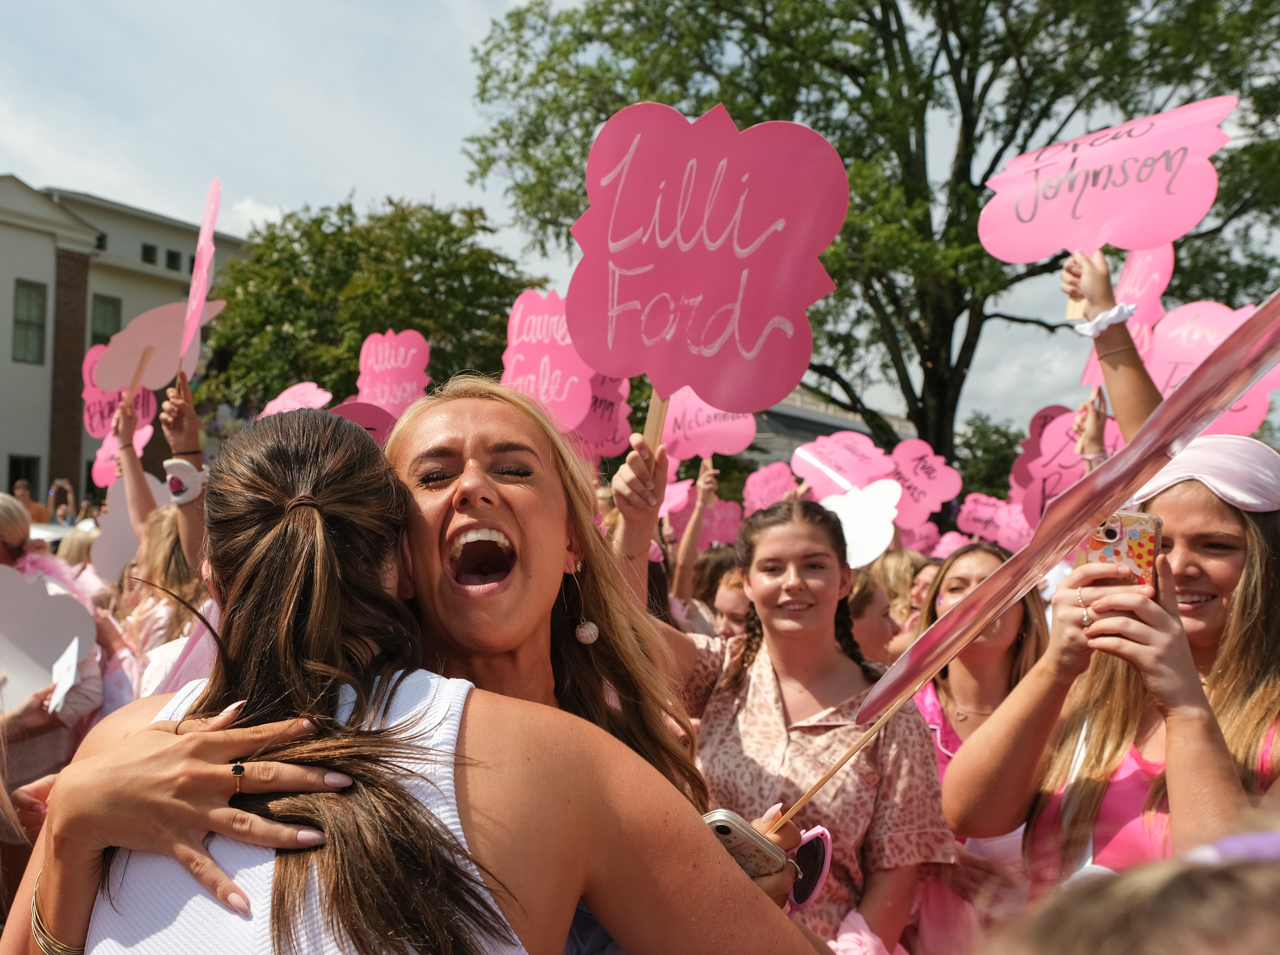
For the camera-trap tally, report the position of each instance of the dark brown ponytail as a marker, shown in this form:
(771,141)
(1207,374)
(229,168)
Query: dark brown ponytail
(849,646)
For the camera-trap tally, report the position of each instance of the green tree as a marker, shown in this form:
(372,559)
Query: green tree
(985,453)
(924,101)
(315,285)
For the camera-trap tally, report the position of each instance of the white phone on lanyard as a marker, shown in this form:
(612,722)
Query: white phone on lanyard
(755,854)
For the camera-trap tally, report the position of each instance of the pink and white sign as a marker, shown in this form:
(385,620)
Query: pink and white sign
(700,252)
(377,421)
(766,487)
(305,394)
(606,429)
(948,544)
(1186,337)
(540,359)
(104,459)
(1143,280)
(694,429)
(202,268)
(393,370)
(834,464)
(1057,466)
(927,481)
(923,538)
(100,406)
(1138,185)
(720,523)
(867,516)
(159,329)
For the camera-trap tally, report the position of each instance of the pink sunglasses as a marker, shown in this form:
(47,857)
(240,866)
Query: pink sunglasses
(813,862)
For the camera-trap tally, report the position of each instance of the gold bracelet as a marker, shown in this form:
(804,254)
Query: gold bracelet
(1116,351)
(46,942)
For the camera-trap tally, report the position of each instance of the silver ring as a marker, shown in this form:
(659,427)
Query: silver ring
(1084,618)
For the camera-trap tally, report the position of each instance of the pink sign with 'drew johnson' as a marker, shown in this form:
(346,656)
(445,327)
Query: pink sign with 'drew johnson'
(393,370)
(1137,185)
(540,359)
(100,406)
(694,429)
(700,253)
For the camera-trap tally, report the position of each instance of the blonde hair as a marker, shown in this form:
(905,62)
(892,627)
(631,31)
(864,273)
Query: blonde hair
(895,571)
(77,547)
(861,592)
(15,524)
(1108,700)
(164,566)
(629,658)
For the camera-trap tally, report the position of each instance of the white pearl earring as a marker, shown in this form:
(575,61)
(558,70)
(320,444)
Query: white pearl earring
(586,631)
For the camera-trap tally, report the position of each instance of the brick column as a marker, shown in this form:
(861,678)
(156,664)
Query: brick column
(70,310)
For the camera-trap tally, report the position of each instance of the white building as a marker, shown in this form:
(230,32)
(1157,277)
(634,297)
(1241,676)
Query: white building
(74,269)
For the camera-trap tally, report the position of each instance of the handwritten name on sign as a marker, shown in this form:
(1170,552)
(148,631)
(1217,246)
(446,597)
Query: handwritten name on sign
(980,515)
(1058,466)
(606,429)
(833,464)
(700,252)
(767,486)
(540,359)
(393,370)
(1136,186)
(927,481)
(100,406)
(694,429)
(1020,476)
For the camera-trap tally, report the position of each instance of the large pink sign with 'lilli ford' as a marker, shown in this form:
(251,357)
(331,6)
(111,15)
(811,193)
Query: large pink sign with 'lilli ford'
(540,359)
(700,252)
(1138,185)
(393,370)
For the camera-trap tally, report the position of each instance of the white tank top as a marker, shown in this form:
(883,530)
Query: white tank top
(156,906)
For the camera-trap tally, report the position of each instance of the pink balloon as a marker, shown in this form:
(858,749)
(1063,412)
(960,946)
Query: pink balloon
(923,538)
(606,429)
(927,481)
(948,544)
(1218,383)
(834,464)
(1136,186)
(720,523)
(1184,338)
(159,329)
(103,471)
(700,252)
(203,266)
(540,359)
(377,421)
(393,370)
(1058,466)
(694,429)
(305,394)
(100,406)
(1143,280)
(767,486)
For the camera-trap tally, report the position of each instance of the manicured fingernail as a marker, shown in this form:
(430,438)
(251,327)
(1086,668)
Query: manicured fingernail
(309,837)
(644,454)
(337,780)
(648,485)
(239,903)
(308,726)
(653,501)
(233,709)
(772,813)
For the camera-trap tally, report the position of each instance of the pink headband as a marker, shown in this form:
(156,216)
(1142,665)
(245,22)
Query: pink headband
(1243,472)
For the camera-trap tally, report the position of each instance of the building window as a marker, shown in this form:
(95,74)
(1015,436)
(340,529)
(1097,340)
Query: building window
(102,241)
(28,322)
(22,468)
(191,265)
(173,260)
(106,319)
(148,253)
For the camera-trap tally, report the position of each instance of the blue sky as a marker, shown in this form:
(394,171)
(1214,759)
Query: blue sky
(292,103)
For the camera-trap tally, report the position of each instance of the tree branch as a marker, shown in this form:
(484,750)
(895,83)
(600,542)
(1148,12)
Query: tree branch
(881,430)
(1019,320)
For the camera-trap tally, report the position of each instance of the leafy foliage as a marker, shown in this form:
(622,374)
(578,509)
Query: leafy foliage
(956,87)
(315,285)
(985,454)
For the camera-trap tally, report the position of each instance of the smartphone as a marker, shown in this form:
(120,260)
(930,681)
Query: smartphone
(755,854)
(1126,538)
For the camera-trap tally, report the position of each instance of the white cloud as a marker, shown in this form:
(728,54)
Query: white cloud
(246,214)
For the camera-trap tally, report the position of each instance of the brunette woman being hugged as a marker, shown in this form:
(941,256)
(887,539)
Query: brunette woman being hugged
(466,822)
(1148,725)
(778,705)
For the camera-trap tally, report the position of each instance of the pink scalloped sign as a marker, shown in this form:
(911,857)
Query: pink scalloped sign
(767,486)
(700,252)
(1001,522)
(1143,279)
(836,463)
(377,421)
(720,523)
(305,394)
(103,471)
(540,359)
(161,330)
(202,268)
(923,538)
(694,429)
(676,497)
(1057,465)
(927,481)
(1137,185)
(393,370)
(100,406)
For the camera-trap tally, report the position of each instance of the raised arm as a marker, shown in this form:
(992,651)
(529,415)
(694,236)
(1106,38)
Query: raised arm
(1134,396)
(137,493)
(687,554)
(638,489)
(182,427)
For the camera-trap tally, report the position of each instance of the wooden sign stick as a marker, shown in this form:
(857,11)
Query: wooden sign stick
(655,421)
(853,750)
(137,375)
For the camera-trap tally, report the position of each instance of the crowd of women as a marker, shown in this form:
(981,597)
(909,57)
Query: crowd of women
(432,699)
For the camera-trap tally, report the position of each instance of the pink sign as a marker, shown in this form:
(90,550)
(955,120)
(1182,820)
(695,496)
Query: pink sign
(1143,280)
(923,538)
(540,359)
(1012,530)
(100,406)
(202,268)
(104,459)
(159,329)
(676,497)
(980,515)
(377,421)
(1138,185)
(606,430)
(700,252)
(694,429)
(834,464)
(1020,477)
(927,481)
(767,486)
(393,370)
(720,523)
(1188,335)
(305,394)
(948,544)
(1058,466)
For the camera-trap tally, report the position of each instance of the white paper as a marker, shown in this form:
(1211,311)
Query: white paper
(65,674)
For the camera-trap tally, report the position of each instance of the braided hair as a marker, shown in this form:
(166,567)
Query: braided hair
(793,512)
